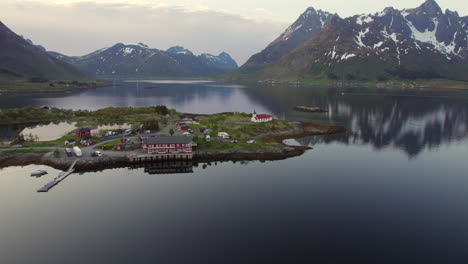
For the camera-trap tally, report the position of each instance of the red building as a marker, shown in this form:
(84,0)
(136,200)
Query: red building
(168,145)
(83,132)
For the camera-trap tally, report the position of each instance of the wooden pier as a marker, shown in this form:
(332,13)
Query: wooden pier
(61,176)
(157,157)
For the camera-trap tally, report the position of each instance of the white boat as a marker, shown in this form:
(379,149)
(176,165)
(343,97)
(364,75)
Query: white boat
(77,151)
(38,173)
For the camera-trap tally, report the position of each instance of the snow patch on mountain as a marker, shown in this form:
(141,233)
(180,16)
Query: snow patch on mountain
(126,51)
(364,19)
(359,37)
(347,56)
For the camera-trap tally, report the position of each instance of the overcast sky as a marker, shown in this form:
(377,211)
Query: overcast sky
(241,27)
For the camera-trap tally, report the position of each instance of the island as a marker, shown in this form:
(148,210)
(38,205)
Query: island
(151,134)
(310,109)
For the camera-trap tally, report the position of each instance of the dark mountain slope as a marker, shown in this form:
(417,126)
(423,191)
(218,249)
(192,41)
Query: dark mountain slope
(23,59)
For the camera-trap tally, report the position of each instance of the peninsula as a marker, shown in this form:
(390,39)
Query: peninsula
(151,134)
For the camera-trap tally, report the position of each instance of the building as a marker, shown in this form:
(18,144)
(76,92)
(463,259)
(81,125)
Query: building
(83,132)
(262,118)
(177,145)
(182,126)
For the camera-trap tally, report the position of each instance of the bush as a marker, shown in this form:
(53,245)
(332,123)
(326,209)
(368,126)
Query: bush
(150,125)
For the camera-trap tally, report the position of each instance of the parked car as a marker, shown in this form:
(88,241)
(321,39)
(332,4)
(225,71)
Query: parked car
(70,142)
(129,132)
(97,154)
(250,141)
(186,134)
(110,133)
(69,152)
(147,131)
(234,141)
(86,142)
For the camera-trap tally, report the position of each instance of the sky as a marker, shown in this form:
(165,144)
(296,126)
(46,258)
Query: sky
(241,28)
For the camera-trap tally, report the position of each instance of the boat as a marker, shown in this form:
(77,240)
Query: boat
(38,173)
(77,151)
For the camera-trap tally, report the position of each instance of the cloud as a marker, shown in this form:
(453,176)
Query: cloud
(80,27)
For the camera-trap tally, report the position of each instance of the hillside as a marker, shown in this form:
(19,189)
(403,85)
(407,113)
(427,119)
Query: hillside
(303,29)
(20,59)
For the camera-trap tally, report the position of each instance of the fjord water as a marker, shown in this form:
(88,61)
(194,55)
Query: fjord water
(394,189)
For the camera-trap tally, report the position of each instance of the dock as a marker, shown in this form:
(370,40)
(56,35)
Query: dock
(61,176)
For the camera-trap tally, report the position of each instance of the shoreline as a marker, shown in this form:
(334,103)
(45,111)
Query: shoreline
(97,164)
(50,91)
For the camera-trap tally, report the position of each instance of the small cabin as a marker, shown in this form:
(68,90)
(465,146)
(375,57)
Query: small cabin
(83,132)
(262,118)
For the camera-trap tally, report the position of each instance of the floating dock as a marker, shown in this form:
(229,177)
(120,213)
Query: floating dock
(61,176)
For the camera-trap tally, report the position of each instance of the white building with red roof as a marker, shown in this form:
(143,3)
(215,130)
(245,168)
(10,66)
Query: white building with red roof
(262,118)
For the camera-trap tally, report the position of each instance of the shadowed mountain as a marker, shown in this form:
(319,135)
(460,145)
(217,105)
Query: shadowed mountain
(20,58)
(306,26)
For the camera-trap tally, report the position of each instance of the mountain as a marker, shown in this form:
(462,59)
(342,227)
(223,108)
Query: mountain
(306,26)
(20,58)
(422,42)
(139,60)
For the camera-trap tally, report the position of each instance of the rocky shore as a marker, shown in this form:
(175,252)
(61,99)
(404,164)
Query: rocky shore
(95,164)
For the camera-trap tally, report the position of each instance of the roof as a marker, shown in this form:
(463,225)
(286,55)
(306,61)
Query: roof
(168,140)
(263,116)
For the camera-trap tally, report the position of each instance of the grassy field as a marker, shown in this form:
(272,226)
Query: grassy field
(240,128)
(111,144)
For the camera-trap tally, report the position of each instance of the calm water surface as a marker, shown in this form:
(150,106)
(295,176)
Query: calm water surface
(394,189)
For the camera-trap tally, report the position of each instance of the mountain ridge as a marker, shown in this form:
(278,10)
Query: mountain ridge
(139,60)
(421,42)
(307,25)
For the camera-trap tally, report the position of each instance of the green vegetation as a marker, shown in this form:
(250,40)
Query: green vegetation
(22,151)
(57,154)
(150,125)
(109,115)
(111,144)
(240,128)
(13,83)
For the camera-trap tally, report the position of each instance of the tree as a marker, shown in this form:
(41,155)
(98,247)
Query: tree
(150,125)
(171,131)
